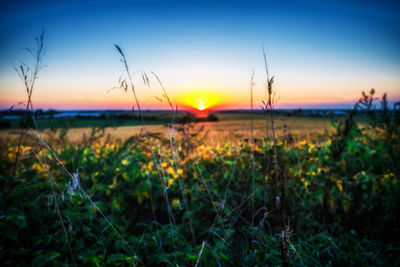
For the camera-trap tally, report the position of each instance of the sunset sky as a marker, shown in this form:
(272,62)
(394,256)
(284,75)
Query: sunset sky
(322,53)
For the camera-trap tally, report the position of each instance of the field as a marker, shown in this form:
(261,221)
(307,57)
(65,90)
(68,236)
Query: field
(321,193)
(228,123)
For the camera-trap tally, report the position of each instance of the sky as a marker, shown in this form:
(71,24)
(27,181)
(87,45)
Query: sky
(322,53)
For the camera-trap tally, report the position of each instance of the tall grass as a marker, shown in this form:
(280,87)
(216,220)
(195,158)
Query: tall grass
(124,84)
(29,75)
(279,185)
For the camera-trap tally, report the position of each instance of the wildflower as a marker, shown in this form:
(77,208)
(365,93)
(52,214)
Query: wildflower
(111,186)
(170,170)
(304,182)
(175,203)
(73,185)
(339,185)
(150,166)
(303,142)
(75,180)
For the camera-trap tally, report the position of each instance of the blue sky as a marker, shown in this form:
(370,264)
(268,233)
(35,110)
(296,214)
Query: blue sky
(323,53)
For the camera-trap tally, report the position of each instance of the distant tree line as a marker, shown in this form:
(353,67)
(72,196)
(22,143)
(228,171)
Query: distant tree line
(191,117)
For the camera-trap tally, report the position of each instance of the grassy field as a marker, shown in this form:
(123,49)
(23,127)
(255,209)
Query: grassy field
(228,123)
(323,194)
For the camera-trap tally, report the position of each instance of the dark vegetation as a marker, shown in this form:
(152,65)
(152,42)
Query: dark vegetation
(330,199)
(47,120)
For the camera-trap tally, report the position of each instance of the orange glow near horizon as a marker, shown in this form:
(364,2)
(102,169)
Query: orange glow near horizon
(193,97)
(200,99)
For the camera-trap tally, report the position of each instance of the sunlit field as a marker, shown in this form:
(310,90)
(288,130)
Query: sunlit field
(228,124)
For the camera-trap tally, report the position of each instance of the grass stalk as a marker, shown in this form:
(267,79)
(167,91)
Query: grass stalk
(29,77)
(175,156)
(279,190)
(252,144)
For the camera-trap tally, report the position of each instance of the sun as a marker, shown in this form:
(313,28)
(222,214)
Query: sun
(200,107)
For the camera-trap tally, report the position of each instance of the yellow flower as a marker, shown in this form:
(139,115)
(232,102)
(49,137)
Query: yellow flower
(37,166)
(124,162)
(304,182)
(170,170)
(26,149)
(164,164)
(170,181)
(175,203)
(303,142)
(339,185)
(150,166)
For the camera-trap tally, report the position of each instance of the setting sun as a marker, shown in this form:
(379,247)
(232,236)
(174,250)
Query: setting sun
(200,99)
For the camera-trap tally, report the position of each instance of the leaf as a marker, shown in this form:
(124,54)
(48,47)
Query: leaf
(223,256)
